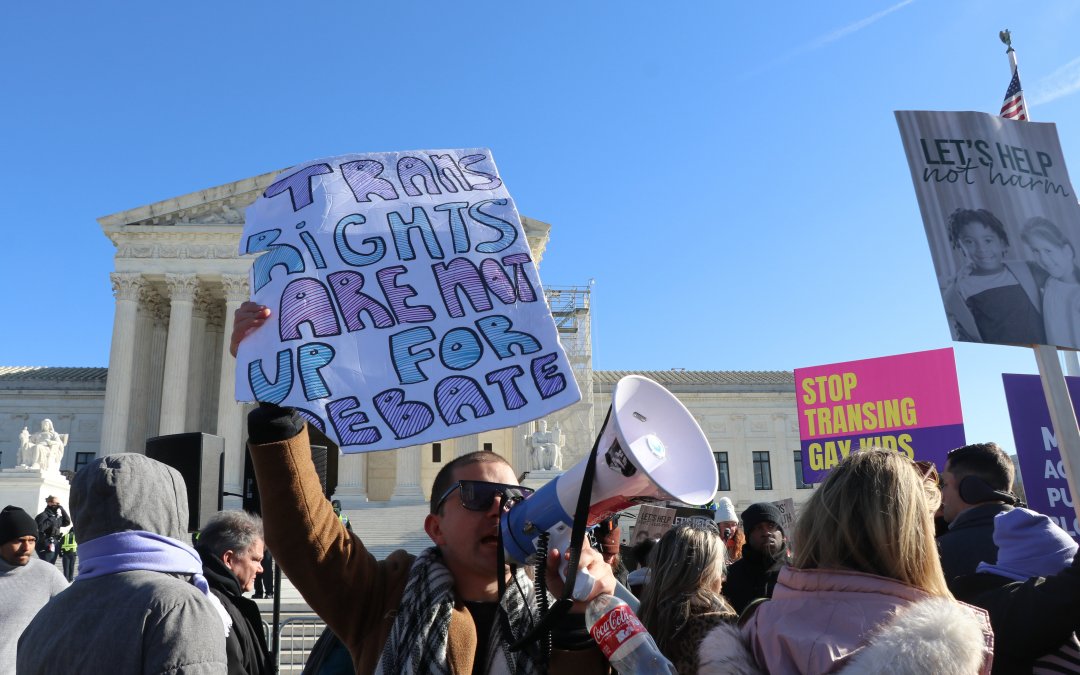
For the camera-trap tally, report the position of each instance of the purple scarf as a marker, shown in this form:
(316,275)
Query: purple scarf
(138,550)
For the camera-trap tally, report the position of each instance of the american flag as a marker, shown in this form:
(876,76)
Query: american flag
(1013,108)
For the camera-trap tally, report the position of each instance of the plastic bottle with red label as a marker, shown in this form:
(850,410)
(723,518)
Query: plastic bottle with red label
(626,644)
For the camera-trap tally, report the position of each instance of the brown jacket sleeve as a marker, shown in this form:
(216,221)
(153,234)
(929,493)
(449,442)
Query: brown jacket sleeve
(355,594)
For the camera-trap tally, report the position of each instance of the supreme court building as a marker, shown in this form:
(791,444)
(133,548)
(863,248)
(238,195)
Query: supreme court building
(177,281)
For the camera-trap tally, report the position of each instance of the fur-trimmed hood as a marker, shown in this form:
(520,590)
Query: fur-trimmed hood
(930,636)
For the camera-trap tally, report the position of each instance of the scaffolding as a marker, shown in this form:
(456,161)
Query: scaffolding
(570,307)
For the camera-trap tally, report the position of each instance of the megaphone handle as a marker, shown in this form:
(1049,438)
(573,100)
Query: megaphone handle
(584,586)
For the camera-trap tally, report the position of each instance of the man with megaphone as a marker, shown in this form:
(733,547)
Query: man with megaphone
(437,612)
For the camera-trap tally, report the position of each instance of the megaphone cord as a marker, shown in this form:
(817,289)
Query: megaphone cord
(540,584)
(577,538)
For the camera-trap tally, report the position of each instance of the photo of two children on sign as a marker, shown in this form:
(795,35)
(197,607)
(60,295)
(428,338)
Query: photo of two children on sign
(1014,282)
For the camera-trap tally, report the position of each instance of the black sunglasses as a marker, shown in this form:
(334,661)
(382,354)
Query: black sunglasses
(478,495)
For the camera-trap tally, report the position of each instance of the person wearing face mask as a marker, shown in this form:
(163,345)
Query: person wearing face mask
(765,552)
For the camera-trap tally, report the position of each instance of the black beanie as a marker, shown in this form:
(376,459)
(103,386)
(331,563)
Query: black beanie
(15,524)
(760,513)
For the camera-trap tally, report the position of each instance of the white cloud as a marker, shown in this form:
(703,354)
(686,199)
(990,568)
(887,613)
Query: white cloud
(1062,82)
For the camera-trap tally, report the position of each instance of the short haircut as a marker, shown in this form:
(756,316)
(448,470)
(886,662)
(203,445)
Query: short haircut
(961,218)
(445,478)
(235,531)
(984,460)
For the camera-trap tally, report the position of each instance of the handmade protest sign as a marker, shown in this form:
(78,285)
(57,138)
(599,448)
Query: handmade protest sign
(406,306)
(909,403)
(1045,482)
(1003,224)
(787,515)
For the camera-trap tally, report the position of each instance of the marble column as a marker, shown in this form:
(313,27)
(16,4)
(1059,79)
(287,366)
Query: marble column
(159,339)
(407,483)
(138,429)
(114,427)
(215,321)
(463,445)
(197,365)
(352,480)
(230,414)
(177,352)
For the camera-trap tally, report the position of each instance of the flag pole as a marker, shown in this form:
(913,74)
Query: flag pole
(1062,414)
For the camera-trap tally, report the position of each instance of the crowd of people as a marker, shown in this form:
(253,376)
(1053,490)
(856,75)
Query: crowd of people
(862,584)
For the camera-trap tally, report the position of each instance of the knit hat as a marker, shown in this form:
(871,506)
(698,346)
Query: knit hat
(1029,545)
(725,511)
(760,513)
(15,524)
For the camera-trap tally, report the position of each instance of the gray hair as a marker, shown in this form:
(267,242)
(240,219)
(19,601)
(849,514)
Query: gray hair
(231,531)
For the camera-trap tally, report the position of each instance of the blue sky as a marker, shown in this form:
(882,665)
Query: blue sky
(729,174)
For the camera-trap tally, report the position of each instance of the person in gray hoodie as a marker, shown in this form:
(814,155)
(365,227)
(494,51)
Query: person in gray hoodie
(140,604)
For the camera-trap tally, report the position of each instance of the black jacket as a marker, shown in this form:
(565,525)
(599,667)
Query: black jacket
(969,541)
(49,523)
(753,576)
(245,646)
(1030,618)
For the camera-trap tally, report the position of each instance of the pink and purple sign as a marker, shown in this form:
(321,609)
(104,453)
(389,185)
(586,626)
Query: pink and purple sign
(909,403)
(1045,483)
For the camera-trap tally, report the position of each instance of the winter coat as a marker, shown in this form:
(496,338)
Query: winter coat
(245,645)
(127,623)
(1030,618)
(355,594)
(970,540)
(49,524)
(832,621)
(752,576)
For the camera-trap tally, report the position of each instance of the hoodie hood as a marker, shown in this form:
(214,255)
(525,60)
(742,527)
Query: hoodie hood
(128,492)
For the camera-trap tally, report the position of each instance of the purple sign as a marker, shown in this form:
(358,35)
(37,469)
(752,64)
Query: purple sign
(1045,483)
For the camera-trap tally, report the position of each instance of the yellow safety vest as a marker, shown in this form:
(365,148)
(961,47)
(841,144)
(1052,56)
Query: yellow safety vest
(69,545)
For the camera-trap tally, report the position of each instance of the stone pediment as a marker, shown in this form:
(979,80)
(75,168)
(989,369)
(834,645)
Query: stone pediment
(207,224)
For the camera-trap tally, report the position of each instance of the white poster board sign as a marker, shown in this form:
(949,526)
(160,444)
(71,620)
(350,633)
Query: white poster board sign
(406,307)
(1003,224)
(652,523)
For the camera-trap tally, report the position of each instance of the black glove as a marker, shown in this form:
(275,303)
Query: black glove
(270,423)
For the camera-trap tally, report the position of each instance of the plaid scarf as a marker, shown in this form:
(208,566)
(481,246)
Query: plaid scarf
(420,634)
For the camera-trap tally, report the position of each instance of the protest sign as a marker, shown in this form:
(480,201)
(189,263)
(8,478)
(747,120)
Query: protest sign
(406,307)
(909,403)
(1045,482)
(652,523)
(1003,224)
(787,515)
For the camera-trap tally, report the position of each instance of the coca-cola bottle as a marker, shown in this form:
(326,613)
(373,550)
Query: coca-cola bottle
(627,645)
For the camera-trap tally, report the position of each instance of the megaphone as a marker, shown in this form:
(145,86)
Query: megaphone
(651,449)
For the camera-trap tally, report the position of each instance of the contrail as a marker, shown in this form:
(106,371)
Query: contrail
(1060,83)
(820,42)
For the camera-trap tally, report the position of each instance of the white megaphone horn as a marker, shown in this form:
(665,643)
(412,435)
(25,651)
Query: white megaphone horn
(650,450)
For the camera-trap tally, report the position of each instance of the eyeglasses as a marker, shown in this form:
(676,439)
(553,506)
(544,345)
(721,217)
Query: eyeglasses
(478,495)
(927,470)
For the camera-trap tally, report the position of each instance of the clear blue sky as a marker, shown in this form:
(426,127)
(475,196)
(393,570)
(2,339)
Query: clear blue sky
(730,174)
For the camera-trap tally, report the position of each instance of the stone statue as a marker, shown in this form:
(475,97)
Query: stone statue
(543,447)
(42,450)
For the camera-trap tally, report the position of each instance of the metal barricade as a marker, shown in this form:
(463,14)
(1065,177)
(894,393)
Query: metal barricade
(296,637)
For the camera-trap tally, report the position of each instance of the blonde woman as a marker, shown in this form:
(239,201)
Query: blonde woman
(865,592)
(682,600)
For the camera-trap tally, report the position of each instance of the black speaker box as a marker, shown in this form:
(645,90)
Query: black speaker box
(324,455)
(200,459)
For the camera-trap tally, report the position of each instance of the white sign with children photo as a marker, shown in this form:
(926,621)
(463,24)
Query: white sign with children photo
(1003,223)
